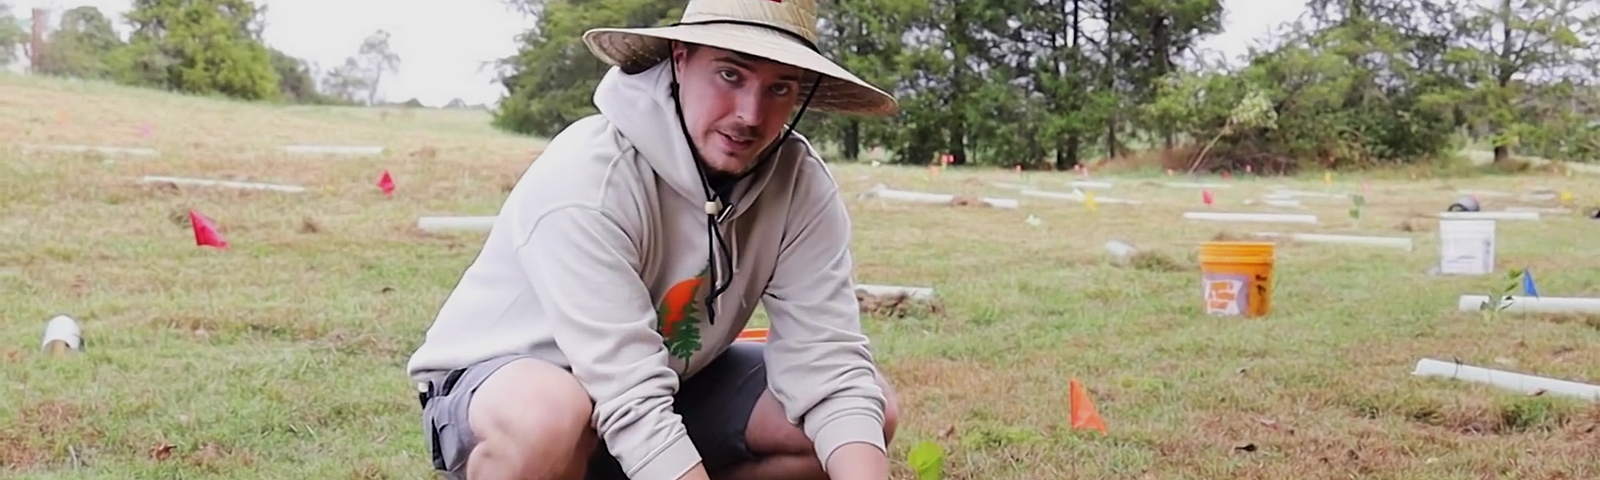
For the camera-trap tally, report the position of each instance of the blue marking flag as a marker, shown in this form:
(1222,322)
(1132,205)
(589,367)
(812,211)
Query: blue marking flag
(1528,288)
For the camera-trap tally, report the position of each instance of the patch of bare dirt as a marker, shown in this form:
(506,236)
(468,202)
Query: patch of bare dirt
(967,201)
(896,305)
(1414,225)
(28,438)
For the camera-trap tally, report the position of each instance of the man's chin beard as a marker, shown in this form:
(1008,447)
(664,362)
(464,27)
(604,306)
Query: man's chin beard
(718,171)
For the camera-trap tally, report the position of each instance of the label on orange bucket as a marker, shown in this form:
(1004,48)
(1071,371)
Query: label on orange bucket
(1226,294)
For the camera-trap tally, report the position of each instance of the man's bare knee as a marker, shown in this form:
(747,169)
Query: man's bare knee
(529,419)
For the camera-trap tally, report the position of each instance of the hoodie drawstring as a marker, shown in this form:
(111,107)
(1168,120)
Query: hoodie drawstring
(716,207)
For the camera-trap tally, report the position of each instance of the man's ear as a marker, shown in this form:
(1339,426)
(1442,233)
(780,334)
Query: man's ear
(680,52)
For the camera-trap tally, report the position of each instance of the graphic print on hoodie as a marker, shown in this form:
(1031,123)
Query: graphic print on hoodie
(678,317)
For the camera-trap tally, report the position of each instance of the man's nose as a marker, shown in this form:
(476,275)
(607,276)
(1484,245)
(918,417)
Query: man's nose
(748,105)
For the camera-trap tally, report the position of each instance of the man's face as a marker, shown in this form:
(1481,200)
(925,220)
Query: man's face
(735,105)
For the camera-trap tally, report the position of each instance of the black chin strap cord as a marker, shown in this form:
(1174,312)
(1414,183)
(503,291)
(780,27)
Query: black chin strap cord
(717,207)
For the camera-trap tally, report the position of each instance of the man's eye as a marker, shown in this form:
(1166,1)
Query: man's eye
(729,75)
(780,89)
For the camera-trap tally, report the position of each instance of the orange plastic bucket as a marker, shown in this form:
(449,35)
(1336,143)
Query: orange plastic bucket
(753,335)
(1236,277)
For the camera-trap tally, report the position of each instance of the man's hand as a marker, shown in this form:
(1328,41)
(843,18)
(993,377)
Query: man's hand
(696,473)
(858,461)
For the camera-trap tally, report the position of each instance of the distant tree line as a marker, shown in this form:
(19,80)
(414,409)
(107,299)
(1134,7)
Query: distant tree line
(1053,83)
(204,47)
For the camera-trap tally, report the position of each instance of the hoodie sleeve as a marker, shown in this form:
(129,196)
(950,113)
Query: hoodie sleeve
(586,271)
(819,367)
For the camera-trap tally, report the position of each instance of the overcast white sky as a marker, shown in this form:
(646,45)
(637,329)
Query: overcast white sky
(443,44)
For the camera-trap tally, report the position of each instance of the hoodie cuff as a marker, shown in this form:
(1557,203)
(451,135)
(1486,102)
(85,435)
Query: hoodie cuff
(845,430)
(671,463)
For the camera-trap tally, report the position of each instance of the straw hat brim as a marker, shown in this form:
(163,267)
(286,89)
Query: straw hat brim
(637,49)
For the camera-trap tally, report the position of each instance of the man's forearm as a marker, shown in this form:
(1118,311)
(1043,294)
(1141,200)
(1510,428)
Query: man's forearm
(858,461)
(696,473)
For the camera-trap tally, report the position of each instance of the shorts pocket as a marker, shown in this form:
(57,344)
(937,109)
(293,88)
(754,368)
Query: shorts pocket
(453,447)
(448,440)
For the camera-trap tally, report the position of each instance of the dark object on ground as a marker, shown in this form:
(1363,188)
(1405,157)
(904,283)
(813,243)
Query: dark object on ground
(1595,214)
(1466,203)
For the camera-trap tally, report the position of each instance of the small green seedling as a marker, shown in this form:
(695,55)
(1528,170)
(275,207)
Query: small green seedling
(927,461)
(1355,210)
(1500,300)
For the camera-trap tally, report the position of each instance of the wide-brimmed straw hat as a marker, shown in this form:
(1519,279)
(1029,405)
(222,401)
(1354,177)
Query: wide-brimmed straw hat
(784,31)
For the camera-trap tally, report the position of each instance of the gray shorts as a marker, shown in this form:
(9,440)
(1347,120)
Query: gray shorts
(715,405)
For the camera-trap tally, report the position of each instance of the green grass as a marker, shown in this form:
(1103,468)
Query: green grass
(284,356)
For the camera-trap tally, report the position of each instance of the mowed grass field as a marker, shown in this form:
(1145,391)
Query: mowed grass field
(283,357)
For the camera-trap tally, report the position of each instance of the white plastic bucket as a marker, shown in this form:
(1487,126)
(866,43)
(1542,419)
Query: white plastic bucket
(1466,247)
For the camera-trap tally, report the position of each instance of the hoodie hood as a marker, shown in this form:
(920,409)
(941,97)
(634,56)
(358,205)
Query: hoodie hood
(641,107)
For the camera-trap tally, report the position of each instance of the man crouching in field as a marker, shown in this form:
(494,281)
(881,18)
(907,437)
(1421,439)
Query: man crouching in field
(593,337)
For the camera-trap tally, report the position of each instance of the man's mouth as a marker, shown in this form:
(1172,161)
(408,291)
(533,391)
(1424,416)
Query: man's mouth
(737,143)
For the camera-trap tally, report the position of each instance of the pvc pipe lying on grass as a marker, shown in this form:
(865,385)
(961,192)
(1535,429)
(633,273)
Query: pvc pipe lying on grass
(1484,193)
(334,149)
(1252,217)
(1277,202)
(914,293)
(1528,384)
(1121,251)
(1090,185)
(1302,193)
(1489,215)
(1395,242)
(1196,185)
(134,151)
(1550,210)
(436,224)
(222,183)
(882,191)
(1075,197)
(1471,303)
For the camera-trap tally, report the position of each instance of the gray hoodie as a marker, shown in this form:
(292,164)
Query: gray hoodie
(597,262)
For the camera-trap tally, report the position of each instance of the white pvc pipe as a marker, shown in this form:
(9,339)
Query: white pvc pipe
(914,293)
(1528,384)
(884,192)
(134,151)
(1471,303)
(1484,193)
(1120,250)
(63,329)
(222,183)
(1196,185)
(1550,210)
(334,149)
(1302,193)
(1395,242)
(434,224)
(1278,202)
(1012,186)
(1252,217)
(1091,185)
(1075,197)
(1489,215)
